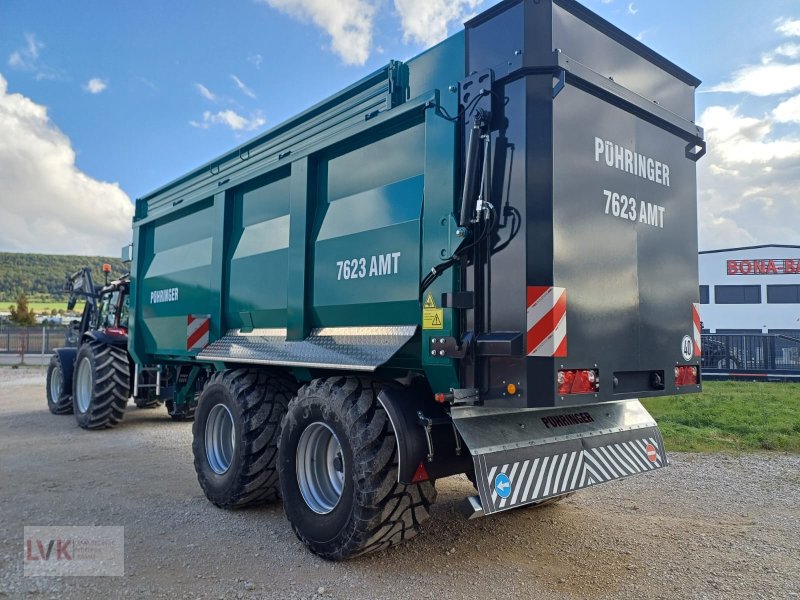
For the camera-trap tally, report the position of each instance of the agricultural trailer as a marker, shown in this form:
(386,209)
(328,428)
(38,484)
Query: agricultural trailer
(475,261)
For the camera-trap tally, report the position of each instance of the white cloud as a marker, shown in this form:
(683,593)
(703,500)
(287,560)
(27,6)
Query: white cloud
(242,87)
(256,59)
(746,140)
(788,111)
(789,27)
(770,78)
(789,50)
(47,204)
(348,22)
(762,80)
(632,10)
(95,85)
(27,59)
(230,119)
(205,92)
(748,181)
(426,21)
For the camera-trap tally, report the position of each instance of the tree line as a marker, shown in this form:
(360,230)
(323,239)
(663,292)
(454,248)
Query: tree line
(41,276)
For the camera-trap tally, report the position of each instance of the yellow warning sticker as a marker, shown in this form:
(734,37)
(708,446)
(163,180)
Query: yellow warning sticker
(429,301)
(432,318)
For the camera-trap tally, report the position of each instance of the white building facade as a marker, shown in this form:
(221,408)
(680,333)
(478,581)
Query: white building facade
(753,289)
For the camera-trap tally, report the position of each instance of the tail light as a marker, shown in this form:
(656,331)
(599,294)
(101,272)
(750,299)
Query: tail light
(686,375)
(578,381)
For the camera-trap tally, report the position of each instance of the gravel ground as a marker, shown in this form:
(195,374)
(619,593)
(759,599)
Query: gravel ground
(710,526)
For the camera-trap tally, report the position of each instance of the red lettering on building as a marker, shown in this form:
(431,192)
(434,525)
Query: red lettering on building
(764,266)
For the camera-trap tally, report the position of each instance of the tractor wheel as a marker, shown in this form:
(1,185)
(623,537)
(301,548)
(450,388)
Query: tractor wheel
(100,385)
(147,402)
(338,472)
(58,396)
(235,433)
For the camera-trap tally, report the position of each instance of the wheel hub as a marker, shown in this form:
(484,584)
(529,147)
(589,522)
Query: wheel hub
(55,385)
(83,389)
(320,468)
(220,439)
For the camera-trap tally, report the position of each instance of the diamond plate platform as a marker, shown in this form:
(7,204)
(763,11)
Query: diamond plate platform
(356,348)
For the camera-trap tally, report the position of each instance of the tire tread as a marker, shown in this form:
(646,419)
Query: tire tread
(385,512)
(263,397)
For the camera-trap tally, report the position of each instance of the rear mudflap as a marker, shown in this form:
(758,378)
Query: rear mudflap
(526,456)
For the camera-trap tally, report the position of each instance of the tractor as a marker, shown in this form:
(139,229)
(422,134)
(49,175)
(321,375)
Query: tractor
(95,379)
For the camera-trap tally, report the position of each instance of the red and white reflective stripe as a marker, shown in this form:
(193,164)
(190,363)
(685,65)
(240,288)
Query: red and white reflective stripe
(197,331)
(547,321)
(697,326)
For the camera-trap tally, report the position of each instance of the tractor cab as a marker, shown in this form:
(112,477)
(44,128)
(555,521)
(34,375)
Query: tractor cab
(113,308)
(106,310)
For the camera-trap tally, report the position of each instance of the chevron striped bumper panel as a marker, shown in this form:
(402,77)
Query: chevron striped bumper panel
(522,457)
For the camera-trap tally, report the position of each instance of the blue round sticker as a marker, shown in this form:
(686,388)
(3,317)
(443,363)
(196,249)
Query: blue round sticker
(502,484)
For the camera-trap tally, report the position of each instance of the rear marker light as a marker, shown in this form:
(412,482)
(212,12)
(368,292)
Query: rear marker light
(421,474)
(686,375)
(578,381)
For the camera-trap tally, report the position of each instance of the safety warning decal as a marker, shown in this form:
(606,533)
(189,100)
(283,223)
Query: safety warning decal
(502,485)
(432,317)
(697,327)
(539,477)
(197,330)
(547,321)
(652,454)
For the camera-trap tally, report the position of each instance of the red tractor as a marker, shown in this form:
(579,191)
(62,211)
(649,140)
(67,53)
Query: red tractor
(95,378)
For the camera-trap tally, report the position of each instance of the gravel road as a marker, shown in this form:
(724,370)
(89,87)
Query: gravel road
(710,526)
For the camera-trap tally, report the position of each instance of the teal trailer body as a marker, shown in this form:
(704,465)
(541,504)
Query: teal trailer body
(319,223)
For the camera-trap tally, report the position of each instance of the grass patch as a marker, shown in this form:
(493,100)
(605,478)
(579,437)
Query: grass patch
(46,307)
(731,416)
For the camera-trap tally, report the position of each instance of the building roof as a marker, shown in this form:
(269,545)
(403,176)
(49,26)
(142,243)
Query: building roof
(749,248)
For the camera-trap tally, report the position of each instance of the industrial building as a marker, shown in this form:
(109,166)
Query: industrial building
(750,290)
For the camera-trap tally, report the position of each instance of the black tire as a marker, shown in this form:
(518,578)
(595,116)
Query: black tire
(59,400)
(184,413)
(107,387)
(147,402)
(256,400)
(374,511)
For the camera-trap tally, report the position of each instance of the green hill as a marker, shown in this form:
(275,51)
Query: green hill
(41,276)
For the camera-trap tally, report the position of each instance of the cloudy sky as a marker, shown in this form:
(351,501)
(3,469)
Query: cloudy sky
(101,102)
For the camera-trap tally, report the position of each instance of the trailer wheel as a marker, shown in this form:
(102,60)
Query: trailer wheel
(235,435)
(100,385)
(181,413)
(338,471)
(146,402)
(148,399)
(58,398)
